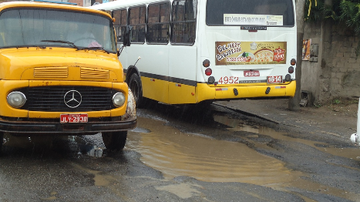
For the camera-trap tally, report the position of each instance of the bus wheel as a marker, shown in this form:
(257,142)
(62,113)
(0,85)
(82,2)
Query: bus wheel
(205,104)
(1,141)
(136,88)
(114,141)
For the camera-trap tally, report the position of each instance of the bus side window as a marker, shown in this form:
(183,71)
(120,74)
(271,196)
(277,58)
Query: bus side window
(158,23)
(183,21)
(120,23)
(137,21)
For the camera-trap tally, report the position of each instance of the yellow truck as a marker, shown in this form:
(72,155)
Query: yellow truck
(60,74)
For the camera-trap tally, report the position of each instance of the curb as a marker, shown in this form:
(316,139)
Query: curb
(247,113)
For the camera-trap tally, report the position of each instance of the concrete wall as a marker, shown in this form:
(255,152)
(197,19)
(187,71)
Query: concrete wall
(337,72)
(310,71)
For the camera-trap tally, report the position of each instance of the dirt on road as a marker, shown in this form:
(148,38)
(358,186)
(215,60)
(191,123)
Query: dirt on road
(336,119)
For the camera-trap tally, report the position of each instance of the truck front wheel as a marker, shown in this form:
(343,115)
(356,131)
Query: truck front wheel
(1,141)
(114,141)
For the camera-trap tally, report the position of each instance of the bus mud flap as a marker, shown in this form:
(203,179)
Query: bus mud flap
(236,92)
(267,90)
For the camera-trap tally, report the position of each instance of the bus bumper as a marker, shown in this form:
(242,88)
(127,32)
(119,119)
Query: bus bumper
(227,92)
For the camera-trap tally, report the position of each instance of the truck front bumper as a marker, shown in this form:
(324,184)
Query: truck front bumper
(51,126)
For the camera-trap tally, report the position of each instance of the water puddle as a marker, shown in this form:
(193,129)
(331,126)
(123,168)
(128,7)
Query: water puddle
(77,146)
(100,179)
(176,153)
(235,125)
(52,197)
(182,190)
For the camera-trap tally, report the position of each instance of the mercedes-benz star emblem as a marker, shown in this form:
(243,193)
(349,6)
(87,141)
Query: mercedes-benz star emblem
(72,98)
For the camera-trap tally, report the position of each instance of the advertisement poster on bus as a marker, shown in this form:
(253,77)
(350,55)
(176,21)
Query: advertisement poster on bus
(250,53)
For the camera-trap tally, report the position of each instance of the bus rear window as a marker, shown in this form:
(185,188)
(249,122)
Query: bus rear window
(250,12)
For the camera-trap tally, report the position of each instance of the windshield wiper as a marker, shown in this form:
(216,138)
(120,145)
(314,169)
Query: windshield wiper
(73,45)
(61,41)
(93,48)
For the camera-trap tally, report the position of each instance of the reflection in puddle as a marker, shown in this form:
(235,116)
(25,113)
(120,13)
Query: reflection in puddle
(90,145)
(175,153)
(95,152)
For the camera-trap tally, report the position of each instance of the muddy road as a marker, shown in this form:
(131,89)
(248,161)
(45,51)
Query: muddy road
(183,154)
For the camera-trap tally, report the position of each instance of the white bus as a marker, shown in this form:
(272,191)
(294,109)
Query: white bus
(192,51)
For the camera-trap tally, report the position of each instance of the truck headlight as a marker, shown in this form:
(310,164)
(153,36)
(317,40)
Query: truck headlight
(16,99)
(118,99)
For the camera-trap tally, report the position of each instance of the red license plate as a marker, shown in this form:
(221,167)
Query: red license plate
(252,73)
(73,118)
(274,79)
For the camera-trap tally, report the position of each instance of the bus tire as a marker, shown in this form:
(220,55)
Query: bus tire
(205,104)
(136,88)
(1,141)
(114,141)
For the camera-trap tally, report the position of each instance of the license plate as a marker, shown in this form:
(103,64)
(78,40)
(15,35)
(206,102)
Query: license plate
(274,79)
(253,73)
(73,118)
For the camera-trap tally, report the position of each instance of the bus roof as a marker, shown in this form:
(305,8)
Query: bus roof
(114,5)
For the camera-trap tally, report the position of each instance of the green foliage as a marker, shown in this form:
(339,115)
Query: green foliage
(346,11)
(336,101)
(319,11)
(313,12)
(351,14)
(317,105)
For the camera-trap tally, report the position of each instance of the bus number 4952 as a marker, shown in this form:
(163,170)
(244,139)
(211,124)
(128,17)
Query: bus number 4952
(228,80)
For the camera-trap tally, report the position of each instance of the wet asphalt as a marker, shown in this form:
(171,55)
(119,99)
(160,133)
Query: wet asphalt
(184,154)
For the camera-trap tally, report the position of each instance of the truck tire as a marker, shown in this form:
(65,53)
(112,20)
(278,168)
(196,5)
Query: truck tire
(114,141)
(136,88)
(1,141)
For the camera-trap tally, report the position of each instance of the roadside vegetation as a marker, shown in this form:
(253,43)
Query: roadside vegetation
(340,11)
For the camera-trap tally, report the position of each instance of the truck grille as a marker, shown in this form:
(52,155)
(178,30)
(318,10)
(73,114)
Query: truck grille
(51,98)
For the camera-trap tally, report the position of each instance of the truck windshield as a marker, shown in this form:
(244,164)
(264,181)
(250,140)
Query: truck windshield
(250,12)
(55,28)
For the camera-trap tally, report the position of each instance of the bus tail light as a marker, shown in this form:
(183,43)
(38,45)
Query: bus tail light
(206,63)
(208,71)
(291,69)
(211,80)
(287,77)
(293,62)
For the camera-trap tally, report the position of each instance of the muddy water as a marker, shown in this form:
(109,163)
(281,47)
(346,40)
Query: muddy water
(176,153)
(351,153)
